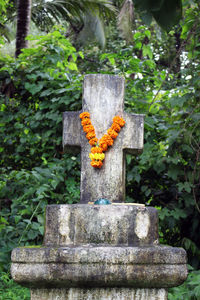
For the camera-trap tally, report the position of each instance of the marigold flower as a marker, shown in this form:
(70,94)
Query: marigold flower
(88,128)
(86,121)
(84,114)
(116,127)
(93,141)
(106,138)
(103,144)
(90,135)
(96,150)
(101,156)
(120,121)
(96,164)
(112,133)
(97,156)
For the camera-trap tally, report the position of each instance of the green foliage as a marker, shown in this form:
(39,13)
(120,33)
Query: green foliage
(166,174)
(189,290)
(9,290)
(41,84)
(3,29)
(167,13)
(36,89)
(44,15)
(24,196)
(3,4)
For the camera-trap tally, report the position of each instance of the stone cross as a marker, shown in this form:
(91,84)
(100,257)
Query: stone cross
(103,98)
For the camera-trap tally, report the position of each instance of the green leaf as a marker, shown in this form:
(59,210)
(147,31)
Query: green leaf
(146,17)
(3,220)
(146,50)
(34,88)
(72,66)
(184,186)
(173,172)
(40,219)
(148,33)
(152,5)
(169,14)
(60,91)
(46,92)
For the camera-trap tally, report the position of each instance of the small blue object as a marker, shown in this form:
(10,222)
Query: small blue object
(102,201)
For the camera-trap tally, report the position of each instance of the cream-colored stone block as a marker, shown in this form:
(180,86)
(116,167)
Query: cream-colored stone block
(99,294)
(142,224)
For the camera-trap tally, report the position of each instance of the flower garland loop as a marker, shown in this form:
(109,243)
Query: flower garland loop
(99,147)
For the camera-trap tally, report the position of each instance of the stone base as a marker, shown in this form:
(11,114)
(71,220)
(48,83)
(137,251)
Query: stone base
(99,294)
(99,267)
(99,252)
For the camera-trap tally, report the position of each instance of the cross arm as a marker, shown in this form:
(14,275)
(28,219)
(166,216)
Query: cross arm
(133,134)
(71,131)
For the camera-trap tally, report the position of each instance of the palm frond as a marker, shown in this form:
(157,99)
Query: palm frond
(93,30)
(7,32)
(48,12)
(125,20)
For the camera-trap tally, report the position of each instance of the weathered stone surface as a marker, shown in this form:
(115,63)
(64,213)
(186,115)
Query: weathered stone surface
(154,255)
(101,224)
(100,246)
(87,266)
(103,98)
(99,294)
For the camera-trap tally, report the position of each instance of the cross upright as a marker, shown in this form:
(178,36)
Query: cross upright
(103,98)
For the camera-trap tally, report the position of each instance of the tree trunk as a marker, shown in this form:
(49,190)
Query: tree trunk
(23,23)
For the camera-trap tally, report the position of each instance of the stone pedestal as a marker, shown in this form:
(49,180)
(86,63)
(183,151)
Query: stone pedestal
(99,253)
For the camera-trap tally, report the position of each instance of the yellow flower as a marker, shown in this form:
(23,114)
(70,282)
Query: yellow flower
(97,156)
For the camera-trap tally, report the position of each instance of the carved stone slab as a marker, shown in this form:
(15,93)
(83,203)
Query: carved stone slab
(101,225)
(87,266)
(99,294)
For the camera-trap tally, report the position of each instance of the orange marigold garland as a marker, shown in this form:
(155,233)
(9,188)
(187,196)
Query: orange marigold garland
(115,127)
(93,141)
(86,121)
(112,133)
(84,115)
(96,150)
(97,155)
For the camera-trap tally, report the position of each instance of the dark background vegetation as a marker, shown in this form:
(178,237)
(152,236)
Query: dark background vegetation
(161,66)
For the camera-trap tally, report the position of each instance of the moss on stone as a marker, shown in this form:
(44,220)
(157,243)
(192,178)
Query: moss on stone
(32,246)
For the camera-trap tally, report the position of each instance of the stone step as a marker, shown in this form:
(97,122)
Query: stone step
(87,266)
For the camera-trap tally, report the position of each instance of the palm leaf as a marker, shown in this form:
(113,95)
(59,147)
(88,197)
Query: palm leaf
(125,20)
(93,30)
(46,13)
(6,32)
